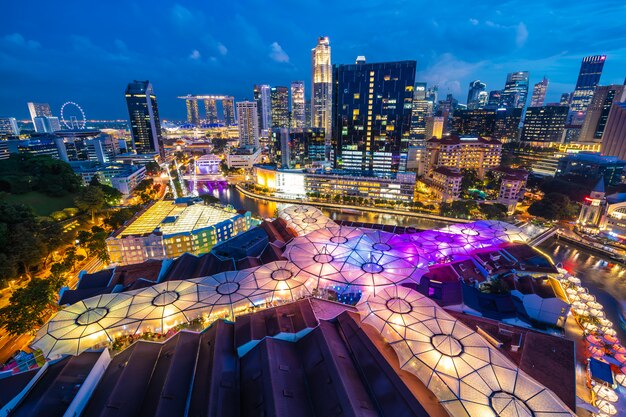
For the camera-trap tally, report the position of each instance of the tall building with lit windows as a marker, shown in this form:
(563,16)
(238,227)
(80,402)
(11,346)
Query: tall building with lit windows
(473,95)
(588,78)
(228,107)
(145,125)
(298,117)
(515,90)
(210,106)
(279,98)
(372,105)
(263,105)
(193,114)
(539,93)
(321,86)
(248,124)
(598,111)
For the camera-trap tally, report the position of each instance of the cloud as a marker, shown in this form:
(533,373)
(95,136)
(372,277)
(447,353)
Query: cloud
(222,49)
(521,35)
(277,53)
(474,21)
(17,39)
(447,72)
(181,14)
(195,54)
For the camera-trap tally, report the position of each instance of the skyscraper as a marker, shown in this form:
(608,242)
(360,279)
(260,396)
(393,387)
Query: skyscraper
(321,86)
(614,137)
(145,125)
(279,97)
(193,115)
(598,111)
(515,90)
(564,101)
(228,106)
(248,118)
(372,106)
(495,97)
(210,106)
(475,88)
(588,78)
(263,105)
(539,93)
(298,118)
(544,124)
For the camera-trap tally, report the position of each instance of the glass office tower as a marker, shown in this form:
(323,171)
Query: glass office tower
(145,126)
(321,86)
(372,106)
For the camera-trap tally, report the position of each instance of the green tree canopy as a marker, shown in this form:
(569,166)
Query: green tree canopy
(90,199)
(554,206)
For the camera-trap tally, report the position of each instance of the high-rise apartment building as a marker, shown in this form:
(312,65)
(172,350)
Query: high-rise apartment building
(8,126)
(598,111)
(588,78)
(263,105)
(372,105)
(145,125)
(39,110)
(515,90)
(539,93)
(279,98)
(248,117)
(321,86)
(473,96)
(544,124)
(614,137)
(298,117)
(193,115)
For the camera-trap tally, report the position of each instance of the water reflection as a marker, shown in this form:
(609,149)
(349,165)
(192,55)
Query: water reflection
(604,278)
(262,208)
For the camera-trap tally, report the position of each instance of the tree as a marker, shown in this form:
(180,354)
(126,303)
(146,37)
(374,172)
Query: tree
(493,211)
(209,199)
(91,198)
(459,208)
(116,218)
(28,305)
(153,168)
(554,206)
(470,180)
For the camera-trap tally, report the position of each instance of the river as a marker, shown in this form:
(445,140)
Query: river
(263,208)
(604,279)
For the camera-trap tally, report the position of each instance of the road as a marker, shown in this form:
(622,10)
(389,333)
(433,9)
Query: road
(10,344)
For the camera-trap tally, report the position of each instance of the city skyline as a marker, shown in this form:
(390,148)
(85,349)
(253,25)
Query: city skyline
(199,53)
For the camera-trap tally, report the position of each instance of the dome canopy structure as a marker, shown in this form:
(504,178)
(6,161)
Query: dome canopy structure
(305,219)
(468,376)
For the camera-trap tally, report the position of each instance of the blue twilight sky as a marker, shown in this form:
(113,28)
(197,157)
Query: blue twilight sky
(87,51)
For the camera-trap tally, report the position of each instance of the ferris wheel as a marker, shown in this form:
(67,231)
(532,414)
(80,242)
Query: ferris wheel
(73,116)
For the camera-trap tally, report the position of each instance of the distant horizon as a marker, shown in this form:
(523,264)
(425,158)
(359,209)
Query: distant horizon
(53,55)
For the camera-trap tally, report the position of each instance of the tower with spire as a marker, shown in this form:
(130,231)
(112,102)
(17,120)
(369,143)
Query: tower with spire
(593,209)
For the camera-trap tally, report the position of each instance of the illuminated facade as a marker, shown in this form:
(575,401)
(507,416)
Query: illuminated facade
(445,183)
(298,118)
(539,93)
(544,125)
(515,90)
(474,100)
(193,115)
(434,127)
(588,78)
(598,111)
(168,229)
(279,98)
(322,86)
(593,208)
(614,136)
(8,126)
(422,108)
(248,124)
(145,125)
(263,105)
(372,106)
(228,106)
(454,152)
(299,148)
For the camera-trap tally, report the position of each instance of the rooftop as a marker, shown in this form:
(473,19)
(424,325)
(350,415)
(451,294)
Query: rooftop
(169,218)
